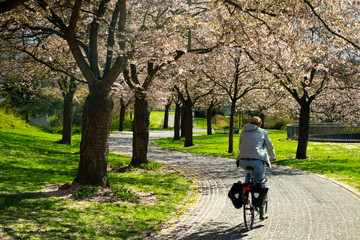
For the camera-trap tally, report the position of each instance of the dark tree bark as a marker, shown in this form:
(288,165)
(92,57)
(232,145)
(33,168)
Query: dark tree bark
(304,123)
(187,118)
(208,119)
(140,130)
(182,122)
(8,5)
(141,118)
(27,118)
(231,127)
(177,122)
(93,149)
(68,91)
(262,117)
(166,116)
(188,123)
(122,115)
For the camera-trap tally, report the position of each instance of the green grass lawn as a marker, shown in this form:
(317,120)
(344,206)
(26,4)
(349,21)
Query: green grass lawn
(340,161)
(30,160)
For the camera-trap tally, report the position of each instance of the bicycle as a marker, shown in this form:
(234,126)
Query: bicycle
(251,211)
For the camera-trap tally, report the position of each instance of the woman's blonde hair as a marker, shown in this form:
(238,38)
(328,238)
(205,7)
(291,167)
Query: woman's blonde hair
(256,121)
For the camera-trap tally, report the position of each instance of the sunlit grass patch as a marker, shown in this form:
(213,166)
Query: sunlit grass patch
(30,161)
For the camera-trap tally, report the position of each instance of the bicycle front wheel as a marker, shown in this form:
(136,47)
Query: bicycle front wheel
(249,215)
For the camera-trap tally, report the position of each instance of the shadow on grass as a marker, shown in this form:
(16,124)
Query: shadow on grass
(15,178)
(9,200)
(31,144)
(36,215)
(29,162)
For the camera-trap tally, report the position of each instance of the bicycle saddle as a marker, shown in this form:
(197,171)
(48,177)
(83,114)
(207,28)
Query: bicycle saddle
(249,168)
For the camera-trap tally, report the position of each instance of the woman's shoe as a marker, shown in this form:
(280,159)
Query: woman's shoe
(264,217)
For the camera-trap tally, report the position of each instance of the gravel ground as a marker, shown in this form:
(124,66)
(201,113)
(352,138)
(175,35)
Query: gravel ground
(301,205)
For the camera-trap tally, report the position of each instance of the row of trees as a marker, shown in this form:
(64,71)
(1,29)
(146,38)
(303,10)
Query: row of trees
(189,51)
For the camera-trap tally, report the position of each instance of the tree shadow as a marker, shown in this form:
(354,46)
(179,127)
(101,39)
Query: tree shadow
(20,211)
(215,231)
(277,170)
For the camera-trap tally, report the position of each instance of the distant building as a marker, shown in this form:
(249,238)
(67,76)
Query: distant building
(41,120)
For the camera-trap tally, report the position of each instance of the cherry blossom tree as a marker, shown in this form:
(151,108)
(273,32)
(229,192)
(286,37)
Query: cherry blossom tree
(341,102)
(159,40)
(235,74)
(268,101)
(210,103)
(167,30)
(47,65)
(340,18)
(82,25)
(123,94)
(190,86)
(285,39)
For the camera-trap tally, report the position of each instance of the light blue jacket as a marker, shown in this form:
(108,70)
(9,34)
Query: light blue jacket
(253,143)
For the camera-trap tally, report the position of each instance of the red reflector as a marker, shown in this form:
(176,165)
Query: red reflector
(246,188)
(244,197)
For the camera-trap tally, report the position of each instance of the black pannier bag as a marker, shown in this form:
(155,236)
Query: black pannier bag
(236,194)
(259,194)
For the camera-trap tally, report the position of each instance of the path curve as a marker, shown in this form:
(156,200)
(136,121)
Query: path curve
(301,205)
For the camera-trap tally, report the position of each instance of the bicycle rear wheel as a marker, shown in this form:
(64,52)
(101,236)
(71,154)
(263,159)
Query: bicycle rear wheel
(266,207)
(249,215)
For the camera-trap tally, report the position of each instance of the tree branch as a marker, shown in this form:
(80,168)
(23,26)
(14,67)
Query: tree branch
(111,39)
(328,28)
(50,66)
(8,5)
(93,42)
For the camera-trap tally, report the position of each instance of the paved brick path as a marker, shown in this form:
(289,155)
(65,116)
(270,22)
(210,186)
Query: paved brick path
(301,205)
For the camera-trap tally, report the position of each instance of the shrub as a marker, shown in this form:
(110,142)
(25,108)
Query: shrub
(11,121)
(219,121)
(281,124)
(84,192)
(58,130)
(151,166)
(115,124)
(125,194)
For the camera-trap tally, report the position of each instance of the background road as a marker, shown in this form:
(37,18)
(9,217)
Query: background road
(301,205)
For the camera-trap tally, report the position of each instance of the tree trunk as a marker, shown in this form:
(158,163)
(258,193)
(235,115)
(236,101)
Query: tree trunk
(303,130)
(68,116)
(94,147)
(166,117)
(140,130)
(231,127)
(177,122)
(26,117)
(122,115)
(262,117)
(208,120)
(188,124)
(182,122)
(68,111)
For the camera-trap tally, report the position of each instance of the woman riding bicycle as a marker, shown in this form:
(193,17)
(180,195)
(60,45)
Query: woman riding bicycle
(253,143)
